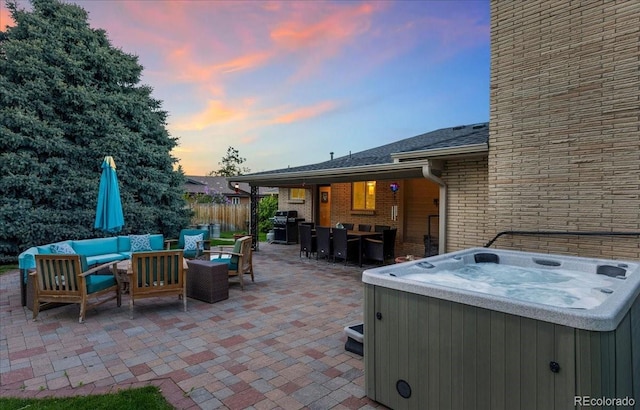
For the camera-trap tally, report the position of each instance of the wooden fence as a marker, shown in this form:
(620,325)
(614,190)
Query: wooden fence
(230,217)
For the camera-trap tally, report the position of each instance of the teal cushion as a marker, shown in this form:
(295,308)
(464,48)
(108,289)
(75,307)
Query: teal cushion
(189,254)
(96,283)
(229,261)
(191,242)
(44,250)
(125,255)
(107,257)
(184,232)
(124,244)
(62,248)
(140,243)
(156,241)
(84,263)
(97,246)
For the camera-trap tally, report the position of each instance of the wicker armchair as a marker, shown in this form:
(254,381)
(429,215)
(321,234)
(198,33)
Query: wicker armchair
(381,250)
(343,248)
(324,243)
(308,241)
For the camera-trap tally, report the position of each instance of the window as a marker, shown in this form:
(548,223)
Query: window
(363,195)
(297,193)
(235,200)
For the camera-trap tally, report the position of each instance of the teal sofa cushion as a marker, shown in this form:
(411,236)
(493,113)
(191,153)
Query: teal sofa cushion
(96,283)
(107,257)
(97,246)
(44,250)
(157,241)
(124,244)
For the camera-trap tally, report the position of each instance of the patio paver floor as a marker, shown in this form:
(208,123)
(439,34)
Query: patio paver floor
(278,344)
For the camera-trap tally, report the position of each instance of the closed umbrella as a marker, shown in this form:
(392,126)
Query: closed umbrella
(109,217)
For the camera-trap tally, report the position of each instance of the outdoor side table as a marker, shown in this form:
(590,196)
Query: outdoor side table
(207,281)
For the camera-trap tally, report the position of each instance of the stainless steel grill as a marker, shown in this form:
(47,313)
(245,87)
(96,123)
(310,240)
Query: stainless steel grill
(285,227)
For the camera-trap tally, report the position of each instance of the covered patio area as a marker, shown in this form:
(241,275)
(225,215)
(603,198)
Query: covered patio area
(278,344)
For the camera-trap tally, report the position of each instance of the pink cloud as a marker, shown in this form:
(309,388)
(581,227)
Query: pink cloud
(305,112)
(244,62)
(215,112)
(5,18)
(317,33)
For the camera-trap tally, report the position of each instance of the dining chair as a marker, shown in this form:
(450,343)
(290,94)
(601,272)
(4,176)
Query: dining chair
(364,228)
(324,243)
(64,278)
(347,226)
(381,250)
(308,241)
(343,247)
(157,274)
(380,228)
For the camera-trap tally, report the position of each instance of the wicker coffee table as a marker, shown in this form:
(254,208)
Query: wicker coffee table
(207,281)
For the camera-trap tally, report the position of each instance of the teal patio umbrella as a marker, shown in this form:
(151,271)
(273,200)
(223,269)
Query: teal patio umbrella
(109,217)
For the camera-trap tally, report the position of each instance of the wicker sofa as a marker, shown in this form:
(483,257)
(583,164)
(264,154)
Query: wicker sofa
(95,251)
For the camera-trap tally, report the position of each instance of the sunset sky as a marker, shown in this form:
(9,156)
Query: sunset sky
(287,82)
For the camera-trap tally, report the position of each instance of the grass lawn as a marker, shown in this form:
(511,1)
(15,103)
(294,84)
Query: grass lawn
(6,268)
(147,397)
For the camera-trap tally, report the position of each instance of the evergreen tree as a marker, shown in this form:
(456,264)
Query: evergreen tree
(68,99)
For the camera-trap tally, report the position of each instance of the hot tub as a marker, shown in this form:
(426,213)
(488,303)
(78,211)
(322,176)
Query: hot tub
(484,328)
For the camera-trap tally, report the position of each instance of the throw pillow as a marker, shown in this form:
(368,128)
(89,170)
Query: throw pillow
(140,243)
(63,248)
(191,242)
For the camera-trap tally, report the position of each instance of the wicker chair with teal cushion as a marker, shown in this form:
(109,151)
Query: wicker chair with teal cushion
(192,241)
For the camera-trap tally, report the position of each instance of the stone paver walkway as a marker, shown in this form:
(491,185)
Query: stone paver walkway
(279,344)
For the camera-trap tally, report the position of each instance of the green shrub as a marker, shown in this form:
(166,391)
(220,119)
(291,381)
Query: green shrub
(266,209)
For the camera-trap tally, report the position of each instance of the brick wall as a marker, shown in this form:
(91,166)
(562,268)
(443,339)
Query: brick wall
(305,208)
(467,193)
(565,123)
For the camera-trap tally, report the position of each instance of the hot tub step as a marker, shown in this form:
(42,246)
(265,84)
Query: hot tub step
(355,337)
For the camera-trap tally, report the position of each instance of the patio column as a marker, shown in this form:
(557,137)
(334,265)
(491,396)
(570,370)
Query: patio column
(255,245)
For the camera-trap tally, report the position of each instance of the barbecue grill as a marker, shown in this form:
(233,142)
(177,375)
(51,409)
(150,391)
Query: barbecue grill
(285,227)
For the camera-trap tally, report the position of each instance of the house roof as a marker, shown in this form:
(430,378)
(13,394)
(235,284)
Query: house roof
(401,159)
(197,184)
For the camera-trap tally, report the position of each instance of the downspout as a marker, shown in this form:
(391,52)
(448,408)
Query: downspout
(432,171)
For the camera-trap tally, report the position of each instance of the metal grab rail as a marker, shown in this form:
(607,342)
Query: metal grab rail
(560,233)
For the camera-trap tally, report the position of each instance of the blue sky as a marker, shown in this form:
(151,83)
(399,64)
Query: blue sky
(287,82)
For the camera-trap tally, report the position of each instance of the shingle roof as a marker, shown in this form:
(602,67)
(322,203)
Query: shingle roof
(196,184)
(443,138)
